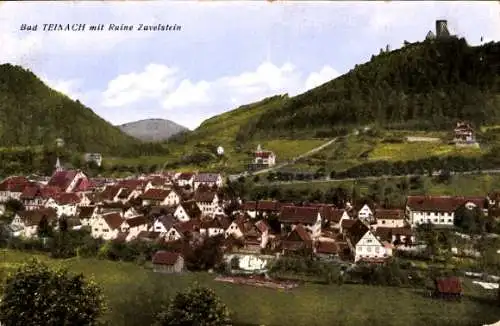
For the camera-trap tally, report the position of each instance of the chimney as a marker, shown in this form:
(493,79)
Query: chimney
(442,28)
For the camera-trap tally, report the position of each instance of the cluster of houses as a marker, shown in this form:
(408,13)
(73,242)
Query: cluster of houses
(173,206)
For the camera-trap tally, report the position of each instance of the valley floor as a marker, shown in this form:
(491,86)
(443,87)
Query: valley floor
(132,292)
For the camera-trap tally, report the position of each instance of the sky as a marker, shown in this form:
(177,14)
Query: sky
(226,53)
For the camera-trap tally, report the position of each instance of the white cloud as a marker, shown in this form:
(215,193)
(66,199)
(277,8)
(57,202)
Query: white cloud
(70,87)
(153,82)
(318,78)
(165,87)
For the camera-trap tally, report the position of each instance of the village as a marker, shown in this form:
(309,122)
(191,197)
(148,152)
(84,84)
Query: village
(170,207)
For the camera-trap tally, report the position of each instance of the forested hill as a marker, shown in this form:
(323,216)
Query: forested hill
(31,113)
(428,85)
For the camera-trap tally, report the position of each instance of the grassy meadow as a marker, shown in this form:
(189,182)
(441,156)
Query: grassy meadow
(459,185)
(133,293)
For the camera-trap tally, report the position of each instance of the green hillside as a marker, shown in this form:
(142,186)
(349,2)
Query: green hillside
(198,149)
(425,85)
(33,114)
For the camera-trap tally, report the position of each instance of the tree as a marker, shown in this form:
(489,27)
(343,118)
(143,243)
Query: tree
(44,228)
(198,306)
(14,205)
(37,295)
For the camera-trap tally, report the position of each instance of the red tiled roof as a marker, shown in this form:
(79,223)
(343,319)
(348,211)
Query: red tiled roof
(389,214)
(301,232)
(346,224)
(33,217)
(62,179)
(326,247)
(67,198)
(207,177)
(298,214)
(450,285)
(357,231)
(14,184)
(132,184)
(165,258)
(114,220)
(155,194)
(267,205)
(49,191)
(204,196)
(264,154)
(185,176)
(249,206)
(109,192)
(137,221)
(30,192)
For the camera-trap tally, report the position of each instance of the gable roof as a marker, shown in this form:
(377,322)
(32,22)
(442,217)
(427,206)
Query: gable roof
(137,221)
(389,214)
(207,177)
(33,217)
(185,176)
(357,231)
(299,214)
(204,196)
(62,179)
(113,220)
(155,194)
(167,221)
(299,232)
(167,258)
(109,192)
(14,184)
(262,226)
(86,211)
(67,198)
(249,206)
(449,285)
(268,205)
(191,208)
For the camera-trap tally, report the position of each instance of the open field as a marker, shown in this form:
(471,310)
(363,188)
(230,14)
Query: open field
(307,305)
(384,146)
(459,185)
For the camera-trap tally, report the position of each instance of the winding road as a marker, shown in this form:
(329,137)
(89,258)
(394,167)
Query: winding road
(281,165)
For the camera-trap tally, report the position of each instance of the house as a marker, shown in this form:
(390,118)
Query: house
(168,262)
(110,194)
(309,217)
(365,214)
(32,197)
(163,224)
(439,210)
(335,217)
(86,214)
(136,186)
(264,158)
(173,198)
(207,201)
(208,179)
(155,196)
(212,227)
(299,240)
(93,157)
(250,208)
(64,203)
(187,210)
(69,181)
(364,244)
(26,223)
(394,218)
(463,133)
(448,287)
(133,226)
(12,188)
(106,226)
(265,208)
(236,228)
(396,235)
(326,249)
(186,179)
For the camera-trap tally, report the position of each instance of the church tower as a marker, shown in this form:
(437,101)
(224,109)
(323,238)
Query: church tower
(58,165)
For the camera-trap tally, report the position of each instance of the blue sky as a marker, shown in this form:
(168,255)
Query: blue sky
(227,53)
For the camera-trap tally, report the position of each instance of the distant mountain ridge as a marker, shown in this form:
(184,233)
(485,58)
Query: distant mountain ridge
(152,129)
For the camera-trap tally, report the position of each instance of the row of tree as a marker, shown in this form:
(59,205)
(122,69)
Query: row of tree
(39,295)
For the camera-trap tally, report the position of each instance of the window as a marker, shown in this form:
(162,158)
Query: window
(105,230)
(377,249)
(383,221)
(369,249)
(369,241)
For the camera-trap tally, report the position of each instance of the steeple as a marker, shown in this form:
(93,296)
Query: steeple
(58,165)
